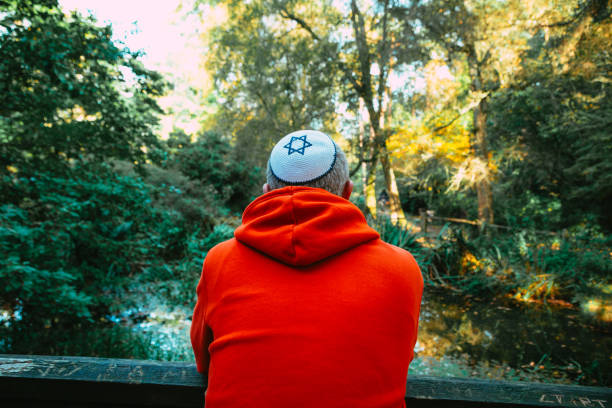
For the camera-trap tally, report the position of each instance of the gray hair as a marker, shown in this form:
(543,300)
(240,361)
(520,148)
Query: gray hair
(333,181)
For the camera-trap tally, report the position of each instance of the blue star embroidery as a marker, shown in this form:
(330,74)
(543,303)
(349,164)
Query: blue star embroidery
(300,150)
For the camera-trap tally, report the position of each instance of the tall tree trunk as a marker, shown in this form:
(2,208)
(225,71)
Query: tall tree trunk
(368,173)
(483,187)
(479,141)
(395,205)
(370,188)
(364,167)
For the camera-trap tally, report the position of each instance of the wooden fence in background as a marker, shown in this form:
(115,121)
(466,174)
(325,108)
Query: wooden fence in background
(427,218)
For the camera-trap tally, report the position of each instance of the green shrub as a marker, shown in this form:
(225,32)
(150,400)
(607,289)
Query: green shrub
(197,203)
(82,339)
(575,267)
(211,161)
(71,243)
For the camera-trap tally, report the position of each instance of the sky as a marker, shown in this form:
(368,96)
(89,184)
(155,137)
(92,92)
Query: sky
(170,42)
(153,27)
(168,37)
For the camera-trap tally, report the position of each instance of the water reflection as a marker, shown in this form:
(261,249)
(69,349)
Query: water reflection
(457,337)
(545,341)
(166,329)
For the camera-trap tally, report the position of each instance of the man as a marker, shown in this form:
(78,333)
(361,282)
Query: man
(306,306)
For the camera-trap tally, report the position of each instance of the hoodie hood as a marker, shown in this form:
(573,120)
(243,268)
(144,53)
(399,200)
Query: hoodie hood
(302,225)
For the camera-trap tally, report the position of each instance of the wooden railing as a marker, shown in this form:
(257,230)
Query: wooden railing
(45,381)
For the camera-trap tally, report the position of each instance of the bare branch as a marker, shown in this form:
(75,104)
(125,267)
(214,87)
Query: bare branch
(345,70)
(267,109)
(363,53)
(290,16)
(384,56)
(361,160)
(356,169)
(447,124)
(485,58)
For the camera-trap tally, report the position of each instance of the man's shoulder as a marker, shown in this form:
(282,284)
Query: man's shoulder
(222,248)
(231,249)
(389,250)
(393,259)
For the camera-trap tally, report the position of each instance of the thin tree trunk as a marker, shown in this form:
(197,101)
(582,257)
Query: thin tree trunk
(483,187)
(370,189)
(364,167)
(395,205)
(368,178)
(362,84)
(479,141)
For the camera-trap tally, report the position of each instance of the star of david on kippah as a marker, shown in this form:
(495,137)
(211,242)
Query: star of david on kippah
(300,150)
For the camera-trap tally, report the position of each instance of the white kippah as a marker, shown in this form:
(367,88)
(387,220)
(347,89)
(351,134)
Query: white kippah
(303,156)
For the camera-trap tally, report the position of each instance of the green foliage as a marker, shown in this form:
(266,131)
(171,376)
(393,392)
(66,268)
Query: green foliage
(72,231)
(211,160)
(396,235)
(74,248)
(220,233)
(427,187)
(551,128)
(193,203)
(68,242)
(107,340)
(527,265)
(64,94)
(270,80)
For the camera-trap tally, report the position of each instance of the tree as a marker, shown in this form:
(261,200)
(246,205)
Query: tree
(362,53)
(71,228)
(366,59)
(491,38)
(466,30)
(64,96)
(268,81)
(556,116)
(209,160)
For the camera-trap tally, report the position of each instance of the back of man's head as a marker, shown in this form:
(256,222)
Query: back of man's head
(308,158)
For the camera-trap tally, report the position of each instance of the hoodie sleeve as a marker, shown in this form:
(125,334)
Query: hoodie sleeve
(201,335)
(417,295)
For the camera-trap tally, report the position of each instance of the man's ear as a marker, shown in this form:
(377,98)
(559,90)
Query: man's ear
(266,188)
(347,190)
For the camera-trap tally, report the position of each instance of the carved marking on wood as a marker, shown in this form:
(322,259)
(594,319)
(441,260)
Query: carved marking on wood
(66,369)
(108,374)
(560,399)
(16,366)
(167,375)
(135,376)
(46,371)
(75,368)
(585,401)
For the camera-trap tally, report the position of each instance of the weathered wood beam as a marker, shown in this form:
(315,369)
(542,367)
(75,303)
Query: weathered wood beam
(51,381)
(31,381)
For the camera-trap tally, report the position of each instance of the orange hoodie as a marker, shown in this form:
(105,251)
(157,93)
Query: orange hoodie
(306,307)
